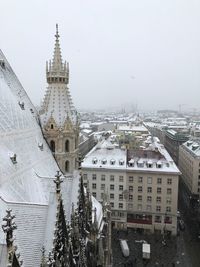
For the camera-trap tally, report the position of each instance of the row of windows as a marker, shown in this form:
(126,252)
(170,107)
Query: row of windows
(149,180)
(140,198)
(121,179)
(140,189)
(139,207)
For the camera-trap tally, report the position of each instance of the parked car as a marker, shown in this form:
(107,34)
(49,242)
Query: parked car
(181,225)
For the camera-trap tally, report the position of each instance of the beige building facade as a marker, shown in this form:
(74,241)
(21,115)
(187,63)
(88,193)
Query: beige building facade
(189,164)
(142,186)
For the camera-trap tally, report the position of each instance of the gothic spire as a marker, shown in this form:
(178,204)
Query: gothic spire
(57,71)
(57,64)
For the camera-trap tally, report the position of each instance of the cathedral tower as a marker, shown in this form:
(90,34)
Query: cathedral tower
(59,119)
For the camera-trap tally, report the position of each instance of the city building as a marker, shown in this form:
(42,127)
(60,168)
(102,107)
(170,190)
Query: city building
(189,164)
(173,140)
(142,185)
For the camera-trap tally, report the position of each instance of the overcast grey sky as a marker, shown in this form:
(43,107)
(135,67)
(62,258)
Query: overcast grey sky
(120,51)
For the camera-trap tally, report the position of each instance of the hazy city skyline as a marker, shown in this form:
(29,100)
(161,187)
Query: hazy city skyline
(137,52)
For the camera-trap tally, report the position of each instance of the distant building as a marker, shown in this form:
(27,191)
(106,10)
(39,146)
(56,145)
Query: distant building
(173,140)
(189,164)
(142,185)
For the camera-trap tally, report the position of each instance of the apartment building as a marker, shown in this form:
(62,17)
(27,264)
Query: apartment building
(189,164)
(141,185)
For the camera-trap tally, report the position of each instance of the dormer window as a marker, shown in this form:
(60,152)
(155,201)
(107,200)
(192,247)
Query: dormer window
(40,145)
(112,161)
(131,163)
(2,63)
(13,158)
(104,161)
(21,104)
(121,162)
(140,163)
(94,161)
(159,164)
(149,164)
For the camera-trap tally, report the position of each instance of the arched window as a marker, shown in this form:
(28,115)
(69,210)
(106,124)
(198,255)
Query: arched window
(52,145)
(67,166)
(67,146)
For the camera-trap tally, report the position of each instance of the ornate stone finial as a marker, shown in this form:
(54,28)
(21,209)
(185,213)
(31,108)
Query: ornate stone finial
(58,181)
(9,227)
(57,35)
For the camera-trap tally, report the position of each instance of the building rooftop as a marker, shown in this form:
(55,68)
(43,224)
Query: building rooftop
(155,158)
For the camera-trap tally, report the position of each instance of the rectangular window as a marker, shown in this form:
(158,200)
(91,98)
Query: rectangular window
(159,190)
(94,194)
(121,178)
(112,178)
(168,200)
(102,195)
(139,198)
(149,207)
(112,186)
(158,208)
(103,177)
(130,206)
(112,196)
(139,189)
(168,209)
(149,189)
(149,198)
(94,186)
(169,181)
(139,206)
(130,178)
(85,184)
(140,179)
(120,205)
(121,187)
(130,197)
(159,180)
(102,186)
(84,176)
(149,180)
(94,176)
(169,191)
(120,197)
(111,204)
(130,188)
(158,199)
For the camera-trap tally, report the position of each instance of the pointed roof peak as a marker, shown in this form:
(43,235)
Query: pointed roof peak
(57,34)
(57,64)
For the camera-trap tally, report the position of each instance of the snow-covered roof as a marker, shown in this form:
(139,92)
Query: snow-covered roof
(132,128)
(105,155)
(27,169)
(193,146)
(155,158)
